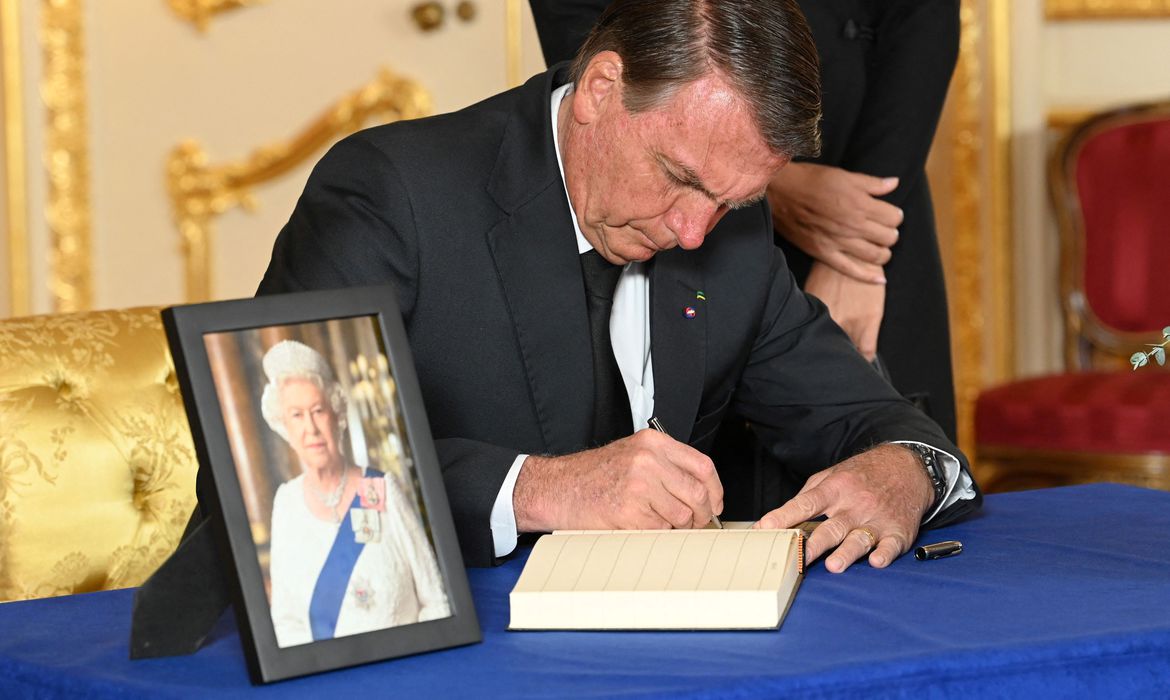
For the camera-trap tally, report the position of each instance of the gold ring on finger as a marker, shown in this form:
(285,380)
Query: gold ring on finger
(868,533)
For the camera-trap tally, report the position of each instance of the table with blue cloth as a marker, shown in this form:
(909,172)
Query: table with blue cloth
(1058,593)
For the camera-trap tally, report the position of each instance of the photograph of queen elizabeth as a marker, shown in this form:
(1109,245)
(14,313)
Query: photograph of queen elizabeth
(348,551)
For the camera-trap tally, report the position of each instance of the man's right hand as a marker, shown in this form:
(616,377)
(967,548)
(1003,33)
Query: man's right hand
(647,481)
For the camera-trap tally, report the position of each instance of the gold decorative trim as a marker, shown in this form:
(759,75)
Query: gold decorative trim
(1001,173)
(1003,468)
(982,184)
(199,192)
(67,153)
(15,167)
(514,57)
(1065,118)
(1105,9)
(200,12)
(968,192)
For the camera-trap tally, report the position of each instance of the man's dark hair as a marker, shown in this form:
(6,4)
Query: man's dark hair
(763,48)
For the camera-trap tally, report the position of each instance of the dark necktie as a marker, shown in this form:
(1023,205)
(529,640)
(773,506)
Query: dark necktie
(611,403)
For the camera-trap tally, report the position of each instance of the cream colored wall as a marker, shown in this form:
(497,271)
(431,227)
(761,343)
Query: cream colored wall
(1057,66)
(257,76)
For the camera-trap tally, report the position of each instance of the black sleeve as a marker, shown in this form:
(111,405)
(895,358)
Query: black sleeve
(814,401)
(354,226)
(351,227)
(813,397)
(562,25)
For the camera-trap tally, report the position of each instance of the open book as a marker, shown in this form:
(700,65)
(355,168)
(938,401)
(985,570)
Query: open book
(659,579)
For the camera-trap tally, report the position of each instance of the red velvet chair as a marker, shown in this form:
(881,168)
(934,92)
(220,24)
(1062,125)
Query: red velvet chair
(1099,420)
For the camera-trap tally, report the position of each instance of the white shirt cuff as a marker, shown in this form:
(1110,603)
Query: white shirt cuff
(959,484)
(503,518)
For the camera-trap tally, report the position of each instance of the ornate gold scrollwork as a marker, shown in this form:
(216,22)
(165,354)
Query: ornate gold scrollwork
(200,12)
(67,153)
(199,192)
(1105,9)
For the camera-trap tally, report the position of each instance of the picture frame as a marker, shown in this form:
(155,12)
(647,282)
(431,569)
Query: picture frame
(318,471)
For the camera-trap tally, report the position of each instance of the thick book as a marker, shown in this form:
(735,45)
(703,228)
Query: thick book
(659,580)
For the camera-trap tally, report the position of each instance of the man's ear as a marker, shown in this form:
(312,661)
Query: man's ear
(599,88)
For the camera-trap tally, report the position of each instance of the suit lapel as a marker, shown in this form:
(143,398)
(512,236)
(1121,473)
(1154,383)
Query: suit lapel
(535,254)
(678,339)
(536,258)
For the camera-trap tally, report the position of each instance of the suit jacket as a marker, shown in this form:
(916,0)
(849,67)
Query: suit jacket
(466,215)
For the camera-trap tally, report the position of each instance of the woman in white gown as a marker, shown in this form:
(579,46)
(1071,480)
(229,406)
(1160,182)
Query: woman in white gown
(348,549)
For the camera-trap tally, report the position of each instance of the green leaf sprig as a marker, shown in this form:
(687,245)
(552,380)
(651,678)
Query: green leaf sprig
(1158,353)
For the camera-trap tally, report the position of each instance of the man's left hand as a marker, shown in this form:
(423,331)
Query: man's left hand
(874,503)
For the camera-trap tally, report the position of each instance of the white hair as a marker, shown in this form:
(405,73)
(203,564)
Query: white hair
(291,360)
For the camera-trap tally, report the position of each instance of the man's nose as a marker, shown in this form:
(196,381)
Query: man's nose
(692,218)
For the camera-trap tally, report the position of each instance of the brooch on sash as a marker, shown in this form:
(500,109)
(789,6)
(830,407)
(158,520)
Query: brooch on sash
(372,492)
(367,525)
(363,594)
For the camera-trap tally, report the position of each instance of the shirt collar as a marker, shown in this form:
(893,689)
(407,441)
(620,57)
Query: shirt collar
(558,95)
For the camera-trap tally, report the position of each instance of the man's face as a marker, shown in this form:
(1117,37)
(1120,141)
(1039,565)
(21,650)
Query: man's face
(646,182)
(310,423)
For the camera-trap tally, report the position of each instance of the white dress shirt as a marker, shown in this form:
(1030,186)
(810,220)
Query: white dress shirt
(629,327)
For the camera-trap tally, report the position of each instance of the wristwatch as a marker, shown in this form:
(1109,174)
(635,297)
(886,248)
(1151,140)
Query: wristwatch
(929,460)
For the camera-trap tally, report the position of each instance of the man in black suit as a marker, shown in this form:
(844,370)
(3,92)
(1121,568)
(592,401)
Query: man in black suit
(646,162)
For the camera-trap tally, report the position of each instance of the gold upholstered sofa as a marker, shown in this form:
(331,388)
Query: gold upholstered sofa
(97,468)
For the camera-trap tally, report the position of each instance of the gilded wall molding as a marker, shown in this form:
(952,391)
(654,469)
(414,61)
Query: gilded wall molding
(966,146)
(980,149)
(1001,293)
(15,167)
(67,153)
(200,191)
(200,12)
(1105,9)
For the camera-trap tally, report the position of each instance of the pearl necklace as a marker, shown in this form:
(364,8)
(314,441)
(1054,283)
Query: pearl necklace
(331,499)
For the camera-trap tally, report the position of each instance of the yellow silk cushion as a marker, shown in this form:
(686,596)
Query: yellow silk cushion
(97,469)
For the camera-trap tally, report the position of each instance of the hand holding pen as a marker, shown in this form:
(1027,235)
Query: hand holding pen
(657,425)
(645,481)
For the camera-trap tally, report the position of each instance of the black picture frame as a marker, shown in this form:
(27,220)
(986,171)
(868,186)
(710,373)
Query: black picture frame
(188,329)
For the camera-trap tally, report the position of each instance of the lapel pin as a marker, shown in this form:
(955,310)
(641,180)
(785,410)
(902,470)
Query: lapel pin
(700,295)
(689,312)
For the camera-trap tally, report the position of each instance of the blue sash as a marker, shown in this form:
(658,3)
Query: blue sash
(332,582)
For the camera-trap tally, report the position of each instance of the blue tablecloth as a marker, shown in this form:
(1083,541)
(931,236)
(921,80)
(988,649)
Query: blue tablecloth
(1059,593)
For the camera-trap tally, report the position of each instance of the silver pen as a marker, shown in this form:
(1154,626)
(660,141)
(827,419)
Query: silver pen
(657,425)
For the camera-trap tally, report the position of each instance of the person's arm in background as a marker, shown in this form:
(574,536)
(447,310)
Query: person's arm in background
(846,218)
